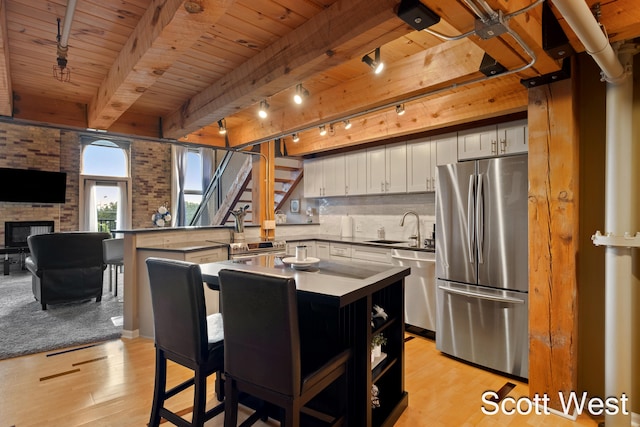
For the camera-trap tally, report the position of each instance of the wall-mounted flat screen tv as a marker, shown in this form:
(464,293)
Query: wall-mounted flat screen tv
(32,186)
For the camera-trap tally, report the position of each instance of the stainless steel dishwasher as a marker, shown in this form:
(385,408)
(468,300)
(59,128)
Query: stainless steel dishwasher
(419,290)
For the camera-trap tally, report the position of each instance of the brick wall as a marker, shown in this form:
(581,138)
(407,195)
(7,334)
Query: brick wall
(50,149)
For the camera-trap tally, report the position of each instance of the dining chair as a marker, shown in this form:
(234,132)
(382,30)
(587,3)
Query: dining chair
(113,254)
(185,335)
(262,350)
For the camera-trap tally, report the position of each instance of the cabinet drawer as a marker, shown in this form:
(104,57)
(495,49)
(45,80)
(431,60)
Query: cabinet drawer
(369,254)
(209,255)
(341,250)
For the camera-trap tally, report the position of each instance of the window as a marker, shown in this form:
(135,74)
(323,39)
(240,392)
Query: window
(193,184)
(104,191)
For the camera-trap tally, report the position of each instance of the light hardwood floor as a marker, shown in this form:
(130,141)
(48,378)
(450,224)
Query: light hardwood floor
(111,384)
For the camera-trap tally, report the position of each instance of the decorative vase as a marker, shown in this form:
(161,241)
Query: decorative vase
(376,351)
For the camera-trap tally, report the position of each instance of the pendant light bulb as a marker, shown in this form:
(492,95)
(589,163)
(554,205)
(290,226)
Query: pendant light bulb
(300,94)
(347,124)
(264,106)
(323,130)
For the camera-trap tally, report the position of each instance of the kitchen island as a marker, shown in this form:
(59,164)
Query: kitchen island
(335,302)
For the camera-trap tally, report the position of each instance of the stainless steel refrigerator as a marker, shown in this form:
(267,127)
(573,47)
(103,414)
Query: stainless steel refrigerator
(482,263)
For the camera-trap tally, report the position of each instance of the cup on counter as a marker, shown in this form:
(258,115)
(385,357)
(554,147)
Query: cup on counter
(301,253)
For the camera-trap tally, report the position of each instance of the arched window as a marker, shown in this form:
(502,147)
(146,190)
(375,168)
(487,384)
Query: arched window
(105,158)
(105,190)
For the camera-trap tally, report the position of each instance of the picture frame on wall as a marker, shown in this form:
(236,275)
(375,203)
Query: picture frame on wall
(294,206)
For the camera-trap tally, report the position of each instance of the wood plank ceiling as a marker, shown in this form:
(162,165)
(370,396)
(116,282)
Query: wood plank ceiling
(151,68)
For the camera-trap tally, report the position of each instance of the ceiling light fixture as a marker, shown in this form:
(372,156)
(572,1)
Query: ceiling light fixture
(300,94)
(400,109)
(375,63)
(264,106)
(332,130)
(60,71)
(323,130)
(296,137)
(222,126)
(347,124)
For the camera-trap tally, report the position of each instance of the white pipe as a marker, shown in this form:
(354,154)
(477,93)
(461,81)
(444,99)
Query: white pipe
(68,19)
(596,43)
(619,214)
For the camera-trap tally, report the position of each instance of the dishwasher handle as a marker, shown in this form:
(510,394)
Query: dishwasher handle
(403,258)
(481,295)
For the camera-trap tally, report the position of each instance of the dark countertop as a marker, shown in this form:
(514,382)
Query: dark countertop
(330,281)
(363,241)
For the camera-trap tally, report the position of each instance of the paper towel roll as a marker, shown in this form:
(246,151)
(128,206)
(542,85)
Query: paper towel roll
(347,226)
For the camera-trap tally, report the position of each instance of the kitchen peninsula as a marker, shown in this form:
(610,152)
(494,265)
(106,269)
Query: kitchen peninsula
(335,304)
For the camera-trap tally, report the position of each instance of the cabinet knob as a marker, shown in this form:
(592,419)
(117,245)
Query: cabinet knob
(503,146)
(494,146)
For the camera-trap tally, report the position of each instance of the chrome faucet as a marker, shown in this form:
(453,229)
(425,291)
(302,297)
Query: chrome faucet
(418,223)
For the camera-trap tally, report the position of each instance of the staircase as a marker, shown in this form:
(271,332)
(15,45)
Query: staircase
(288,173)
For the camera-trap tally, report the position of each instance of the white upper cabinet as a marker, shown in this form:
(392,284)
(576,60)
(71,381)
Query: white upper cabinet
(478,142)
(446,148)
(494,140)
(420,165)
(423,158)
(387,169)
(356,173)
(324,177)
(334,175)
(513,137)
(313,180)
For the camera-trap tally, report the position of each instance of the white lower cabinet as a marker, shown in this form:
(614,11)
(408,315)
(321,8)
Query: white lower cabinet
(322,250)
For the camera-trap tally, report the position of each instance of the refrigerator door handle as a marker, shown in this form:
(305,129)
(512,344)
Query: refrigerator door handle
(480,219)
(470,227)
(481,296)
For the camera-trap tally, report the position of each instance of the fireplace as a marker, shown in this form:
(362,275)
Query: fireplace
(16,232)
(15,239)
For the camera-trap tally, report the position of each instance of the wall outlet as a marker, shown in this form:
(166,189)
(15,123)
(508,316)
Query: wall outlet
(358,227)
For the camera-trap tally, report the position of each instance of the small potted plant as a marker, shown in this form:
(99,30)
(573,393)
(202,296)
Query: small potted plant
(377,342)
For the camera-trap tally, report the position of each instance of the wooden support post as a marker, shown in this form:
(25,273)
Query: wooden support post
(265,182)
(553,240)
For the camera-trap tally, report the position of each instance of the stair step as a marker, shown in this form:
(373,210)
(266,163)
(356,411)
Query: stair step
(286,168)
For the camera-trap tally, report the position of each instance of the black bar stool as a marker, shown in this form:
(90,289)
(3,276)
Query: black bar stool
(185,335)
(262,349)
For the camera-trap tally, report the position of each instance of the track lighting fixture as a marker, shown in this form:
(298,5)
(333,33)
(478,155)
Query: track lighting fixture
(375,63)
(347,124)
(323,130)
(222,126)
(296,137)
(300,94)
(400,109)
(264,107)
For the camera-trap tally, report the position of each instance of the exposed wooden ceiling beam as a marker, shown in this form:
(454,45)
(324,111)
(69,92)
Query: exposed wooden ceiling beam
(493,98)
(503,49)
(343,31)
(418,74)
(6,96)
(164,33)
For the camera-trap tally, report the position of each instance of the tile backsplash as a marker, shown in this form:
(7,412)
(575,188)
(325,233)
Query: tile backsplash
(370,213)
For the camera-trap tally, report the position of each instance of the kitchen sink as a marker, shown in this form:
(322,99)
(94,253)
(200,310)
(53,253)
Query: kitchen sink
(387,242)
